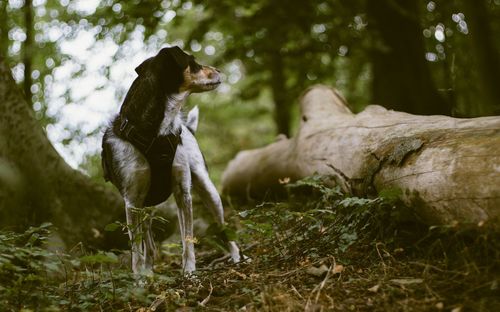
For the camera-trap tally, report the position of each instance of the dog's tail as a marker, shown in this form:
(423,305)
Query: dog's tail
(192,119)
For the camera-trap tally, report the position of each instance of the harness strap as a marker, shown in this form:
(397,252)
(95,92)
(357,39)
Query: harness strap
(145,144)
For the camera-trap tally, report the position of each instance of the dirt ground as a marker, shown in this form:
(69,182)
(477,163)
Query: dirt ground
(319,251)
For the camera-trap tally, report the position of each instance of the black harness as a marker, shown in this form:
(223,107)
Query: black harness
(159,151)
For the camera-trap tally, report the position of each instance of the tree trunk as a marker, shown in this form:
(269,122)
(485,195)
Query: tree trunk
(4,29)
(281,105)
(28,51)
(36,185)
(401,77)
(447,168)
(485,55)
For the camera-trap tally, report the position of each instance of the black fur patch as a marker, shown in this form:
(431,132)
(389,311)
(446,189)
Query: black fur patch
(144,107)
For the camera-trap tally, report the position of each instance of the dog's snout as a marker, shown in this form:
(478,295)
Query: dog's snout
(214,74)
(206,79)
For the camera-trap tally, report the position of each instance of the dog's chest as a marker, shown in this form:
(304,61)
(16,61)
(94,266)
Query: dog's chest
(172,121)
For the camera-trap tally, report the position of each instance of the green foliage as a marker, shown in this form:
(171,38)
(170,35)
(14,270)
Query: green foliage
(100,258)
(218,236)
(33,278)
(25,265)
(320,218)
(53,22)
(365,253)
(228,125)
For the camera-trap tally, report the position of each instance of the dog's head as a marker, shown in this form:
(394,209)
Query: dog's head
(178,71)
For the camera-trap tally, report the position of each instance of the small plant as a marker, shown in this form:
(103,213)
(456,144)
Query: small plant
(25,266)
(318,249)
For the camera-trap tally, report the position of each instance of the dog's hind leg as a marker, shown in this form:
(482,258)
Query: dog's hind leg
(182,192)
(149,244)
(134,228)
(211,198)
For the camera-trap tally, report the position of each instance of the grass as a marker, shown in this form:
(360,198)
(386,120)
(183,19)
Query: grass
(318,250)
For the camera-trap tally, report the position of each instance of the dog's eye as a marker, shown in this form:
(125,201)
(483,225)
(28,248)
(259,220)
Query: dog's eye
(194,67)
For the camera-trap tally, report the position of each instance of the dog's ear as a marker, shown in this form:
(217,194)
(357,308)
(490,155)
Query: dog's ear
(174,56)
(141,69)
(192,119)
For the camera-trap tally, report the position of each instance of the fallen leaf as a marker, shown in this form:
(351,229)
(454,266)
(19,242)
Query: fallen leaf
(457,309)
(374,289)
(254,275)
(285,180)
(96,233)
(440,306)
(338,269)
(317,271)
(242,275)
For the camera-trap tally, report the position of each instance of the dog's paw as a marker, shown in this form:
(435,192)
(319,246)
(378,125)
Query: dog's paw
(234,251)
(246,259)
(192,277)
(241,259)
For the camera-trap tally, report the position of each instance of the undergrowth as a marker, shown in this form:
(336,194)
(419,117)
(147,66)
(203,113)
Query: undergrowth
(318,250)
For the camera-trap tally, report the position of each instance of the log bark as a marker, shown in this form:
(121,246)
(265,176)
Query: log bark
(36,184)
(447,168)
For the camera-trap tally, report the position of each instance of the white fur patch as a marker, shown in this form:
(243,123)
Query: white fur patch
(192,119)
(133,169)
(171,119)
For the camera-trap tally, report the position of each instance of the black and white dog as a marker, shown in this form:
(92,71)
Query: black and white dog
(150,152)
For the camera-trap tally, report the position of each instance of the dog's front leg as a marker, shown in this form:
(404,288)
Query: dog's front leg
(182,193)
(135,234)
(135,190)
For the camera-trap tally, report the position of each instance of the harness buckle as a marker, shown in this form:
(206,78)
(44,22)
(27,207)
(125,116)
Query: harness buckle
(123,124)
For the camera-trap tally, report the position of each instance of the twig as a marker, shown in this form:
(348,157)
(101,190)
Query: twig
(322,284)
(426,265)
(295,270)
(286,273)
(319,287)
(381,258)
(346,181)
(217,260)
(205,301)
(157,302)
(297,292)
(112,282)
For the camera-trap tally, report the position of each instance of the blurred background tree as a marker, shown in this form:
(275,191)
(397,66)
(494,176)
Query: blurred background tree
(424,57)
(405,55)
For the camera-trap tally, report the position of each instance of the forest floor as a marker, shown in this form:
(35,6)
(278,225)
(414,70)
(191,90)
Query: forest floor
(318,250)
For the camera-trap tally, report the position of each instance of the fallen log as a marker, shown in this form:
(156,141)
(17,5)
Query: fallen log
(448,169)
